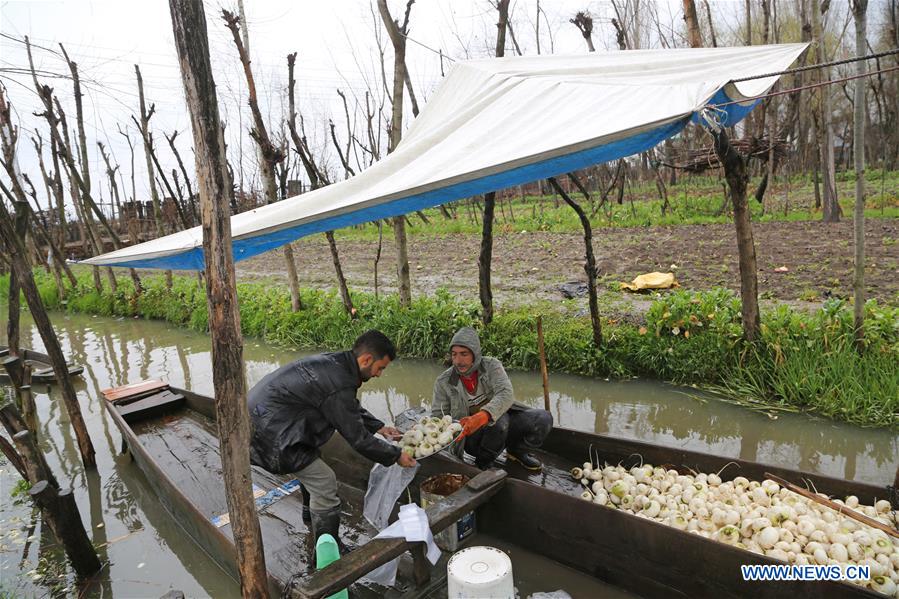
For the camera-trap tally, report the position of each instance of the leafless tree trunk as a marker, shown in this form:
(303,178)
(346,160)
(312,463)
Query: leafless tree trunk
(831,211)
(485,258)
(269,155)
(692,21)
(584,22)
(144,129)
(191,197)
(397,35)
(317,179)
(229,381)
(737,179)
(14,250)
(708,14)
(114,189)
(860,12)
(747,32)
(589,262)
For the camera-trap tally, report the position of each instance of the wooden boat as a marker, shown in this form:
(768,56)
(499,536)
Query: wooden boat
(171,435)
(41,367)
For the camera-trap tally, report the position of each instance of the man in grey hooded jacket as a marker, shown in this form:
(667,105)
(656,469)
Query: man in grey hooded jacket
(476,391)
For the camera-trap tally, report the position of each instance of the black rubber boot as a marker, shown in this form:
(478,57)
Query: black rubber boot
(526,460)
(328,523)
(307,515)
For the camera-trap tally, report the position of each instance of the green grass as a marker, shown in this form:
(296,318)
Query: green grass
(804,362)
(694,200)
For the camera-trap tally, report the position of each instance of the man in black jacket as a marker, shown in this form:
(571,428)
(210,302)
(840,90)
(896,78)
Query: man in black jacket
(297,408)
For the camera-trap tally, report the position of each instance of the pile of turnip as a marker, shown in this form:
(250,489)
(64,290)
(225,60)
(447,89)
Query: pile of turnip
(430,435)
(760,517)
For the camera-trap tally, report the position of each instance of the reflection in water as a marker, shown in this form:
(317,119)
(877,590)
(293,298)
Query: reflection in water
(148,554)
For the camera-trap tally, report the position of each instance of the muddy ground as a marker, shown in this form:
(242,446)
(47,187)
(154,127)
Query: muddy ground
(530,266)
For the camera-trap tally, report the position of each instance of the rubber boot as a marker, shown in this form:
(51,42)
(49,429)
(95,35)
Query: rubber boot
(526,460)
(328,522)
(307,515)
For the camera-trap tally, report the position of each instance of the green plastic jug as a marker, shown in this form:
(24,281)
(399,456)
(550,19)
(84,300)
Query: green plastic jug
(326,553)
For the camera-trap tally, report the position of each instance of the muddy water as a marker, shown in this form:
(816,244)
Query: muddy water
(147,553)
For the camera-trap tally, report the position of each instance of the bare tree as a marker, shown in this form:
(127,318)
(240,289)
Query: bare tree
(316,179)
(692,21)
(584,22)
(269,155)
(823,109)
(144,128)
(860,12)
(14,251)
(229,380)
(485,258)
(397,35)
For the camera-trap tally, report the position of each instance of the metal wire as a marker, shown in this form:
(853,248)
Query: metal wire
(820,65)
(810,86)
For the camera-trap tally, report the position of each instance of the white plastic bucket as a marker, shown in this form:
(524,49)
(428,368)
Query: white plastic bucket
(480,573)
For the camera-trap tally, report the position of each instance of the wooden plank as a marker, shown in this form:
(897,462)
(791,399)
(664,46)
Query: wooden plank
(134,389)
(378,552)
(150,407)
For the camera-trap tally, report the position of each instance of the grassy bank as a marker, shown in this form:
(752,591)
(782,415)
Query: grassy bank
(804,362)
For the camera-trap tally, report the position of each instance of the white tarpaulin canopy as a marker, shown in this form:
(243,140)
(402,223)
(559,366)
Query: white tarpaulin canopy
(500,122)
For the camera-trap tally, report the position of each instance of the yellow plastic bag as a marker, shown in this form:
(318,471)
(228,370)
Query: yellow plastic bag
(652,280)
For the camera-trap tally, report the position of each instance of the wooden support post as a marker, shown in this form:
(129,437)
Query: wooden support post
(13,456)
(215,189)
(16,254)
(29,410)
(421,568)
(61,513)
(12,418)
(14,366)
(35,464)
(543,369)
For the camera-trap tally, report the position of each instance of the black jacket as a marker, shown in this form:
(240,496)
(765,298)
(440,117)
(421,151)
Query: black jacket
(296,409)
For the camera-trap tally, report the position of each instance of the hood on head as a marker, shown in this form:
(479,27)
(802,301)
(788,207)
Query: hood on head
(468,337)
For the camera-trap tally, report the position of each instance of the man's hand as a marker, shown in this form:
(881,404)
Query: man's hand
(471,424)
(406,460)
(390,432)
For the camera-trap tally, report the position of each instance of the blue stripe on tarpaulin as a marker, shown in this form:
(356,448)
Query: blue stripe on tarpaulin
(253,246)
(263,500)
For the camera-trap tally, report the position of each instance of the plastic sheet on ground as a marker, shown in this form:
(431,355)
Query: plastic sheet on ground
(652,280)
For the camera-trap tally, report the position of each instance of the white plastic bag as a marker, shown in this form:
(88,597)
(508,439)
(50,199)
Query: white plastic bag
(414,527)
(385,485)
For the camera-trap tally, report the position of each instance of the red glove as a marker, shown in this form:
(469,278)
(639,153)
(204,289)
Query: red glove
(471,424)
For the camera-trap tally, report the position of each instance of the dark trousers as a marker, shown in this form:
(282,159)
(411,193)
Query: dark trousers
(519,430)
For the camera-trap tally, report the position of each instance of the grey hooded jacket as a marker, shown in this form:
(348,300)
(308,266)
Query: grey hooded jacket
(450,396)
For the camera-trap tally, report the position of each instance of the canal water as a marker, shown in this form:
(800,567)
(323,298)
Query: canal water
(147,554)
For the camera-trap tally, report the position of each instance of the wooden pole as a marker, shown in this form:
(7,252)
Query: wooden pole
(543,370)
(16,254)
(11,418)
(13,456)
(191,41)
(61,513)
(29,410)
(35,464)
(15,369)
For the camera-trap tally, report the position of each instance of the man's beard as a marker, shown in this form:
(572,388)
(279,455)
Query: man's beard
(365,374)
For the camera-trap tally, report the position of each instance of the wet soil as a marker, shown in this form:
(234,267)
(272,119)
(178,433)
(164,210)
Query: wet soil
(530,266)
